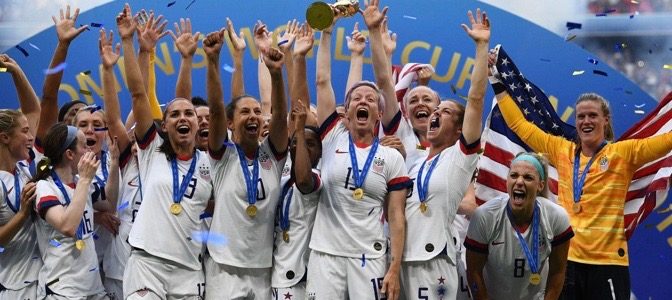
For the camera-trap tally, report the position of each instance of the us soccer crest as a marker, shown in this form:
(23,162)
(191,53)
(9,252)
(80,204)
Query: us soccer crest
(604,163)
(204,171)
(265,161)
(378,165)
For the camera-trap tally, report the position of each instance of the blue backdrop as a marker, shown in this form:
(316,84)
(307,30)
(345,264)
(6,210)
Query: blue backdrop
(429,32)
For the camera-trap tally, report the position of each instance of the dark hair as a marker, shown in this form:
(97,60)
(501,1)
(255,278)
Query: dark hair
(460,111)
(166,147)
(231,108)
(54,149)
(66,107)
(198,101)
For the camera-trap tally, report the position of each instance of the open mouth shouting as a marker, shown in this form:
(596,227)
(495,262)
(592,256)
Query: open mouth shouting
(421,114)
(434,123)
(362,114)
(183,129)
(519,196)
(252,128)
(203,132)
(90,142)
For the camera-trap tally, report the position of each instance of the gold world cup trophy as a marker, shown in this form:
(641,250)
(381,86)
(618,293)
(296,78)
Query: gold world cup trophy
(320,15)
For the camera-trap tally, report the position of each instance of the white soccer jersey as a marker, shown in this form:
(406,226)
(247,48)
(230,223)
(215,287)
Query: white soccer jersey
(345,226)
(416,152)
(250,239)
(102,236)
(67,271)
(507,271)
(129,202)
(156,230)
(20,259)
(290,258)
(429,233)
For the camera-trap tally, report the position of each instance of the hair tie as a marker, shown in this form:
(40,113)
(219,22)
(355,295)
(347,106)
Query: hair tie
(72,134)
(534,161)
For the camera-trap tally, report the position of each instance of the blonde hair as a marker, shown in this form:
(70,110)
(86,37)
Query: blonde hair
(9,119)
(544,165)
(604,105)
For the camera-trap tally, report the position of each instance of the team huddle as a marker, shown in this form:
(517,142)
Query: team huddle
(278,199)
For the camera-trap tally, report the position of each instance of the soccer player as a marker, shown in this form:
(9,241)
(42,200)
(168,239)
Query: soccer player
(517,245)
(453,131)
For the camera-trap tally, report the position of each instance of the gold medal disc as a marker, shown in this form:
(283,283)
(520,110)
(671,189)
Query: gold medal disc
(423,207)
(535,278)
(285,236)
(576,207)
(251,210)
(358,194)
(79,244)
(175,209)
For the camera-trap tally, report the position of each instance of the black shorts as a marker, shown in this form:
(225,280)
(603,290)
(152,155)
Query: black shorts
(584,281)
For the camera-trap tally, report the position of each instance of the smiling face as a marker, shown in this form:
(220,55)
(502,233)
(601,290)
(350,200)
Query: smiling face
(180,123)
(203,115)
(444,126)
(88,123)
(246,121)
(523,185)
(420,103)
(363,110)
(18,139)
(591,122)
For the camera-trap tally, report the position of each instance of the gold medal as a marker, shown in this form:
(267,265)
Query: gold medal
(423,207)
(175,209)
(358,194)
(79,244)
(285,236)
(576,207)
(251,210)
(535,278)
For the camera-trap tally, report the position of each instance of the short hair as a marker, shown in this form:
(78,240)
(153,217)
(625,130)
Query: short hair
(381,99)
(66,107)
(231,108)
(198,101)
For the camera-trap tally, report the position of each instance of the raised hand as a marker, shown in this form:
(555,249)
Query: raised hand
(65,26)
(9,64)
(88,165)
(150,33)
(108,220)
(213,43)
(357,41)
(304,40)
(273,59)
(108,55)
(288,37)
(480,26)
(237,40)
(28,197)
(114,148)
(125,23)
(389,38)
(186,42)
(393,142)
(424,75)
(299,115)
(372,16)
(262,38)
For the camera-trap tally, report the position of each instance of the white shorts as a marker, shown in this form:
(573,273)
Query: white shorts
(227,282)
(296,292)
(114,288)
(146,274)
(462,284)
(337,277)
(28,292)
(100,296)
(432,279)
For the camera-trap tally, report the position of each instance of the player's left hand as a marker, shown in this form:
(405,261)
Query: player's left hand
(391,285)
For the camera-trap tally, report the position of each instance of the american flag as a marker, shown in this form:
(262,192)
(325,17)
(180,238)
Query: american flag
(650,183)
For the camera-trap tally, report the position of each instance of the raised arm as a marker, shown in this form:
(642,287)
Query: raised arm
(238,44)
(148,35)
(262,40)
(381,66)
(389,43)
(301,166)
(66,31)
(557,265)
(299,90)
(109,57)
(140,103)
(326,100)
(356,45)
(285,43)
(480,33)
(186,43)
(28,101)
(278,126)
(218,135)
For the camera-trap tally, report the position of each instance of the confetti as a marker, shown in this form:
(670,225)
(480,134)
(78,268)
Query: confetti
(545,59)
(363,260)
(640,105)
(282,42)
(85,92)
(33,45)
(123,206)
(2,249)
(205,215)
(85,73)
(87,27)
(572,25)
(628,92)
(171,3)
(94,269)
(618,47)
(667,67)
(371,211)
(453,89)
(57,69)
(605,13)
(570,37)
(665,210)
(635,14)
(100,129)
(209,237)
(598,72)
(410,17)
(190,3)
(634,1)
(3,70)
(592,60)
(639,111)
(25,53)
(578,72)
(228,68)
(55,243)
(97,25)
(95,236)
(650,51)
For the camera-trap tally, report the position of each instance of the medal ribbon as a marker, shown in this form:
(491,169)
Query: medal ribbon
(103,164)
(359,178)
(286,199)
(579,182)
(423,186)
(59,184)
(180,188)
(532,258)
(250,179)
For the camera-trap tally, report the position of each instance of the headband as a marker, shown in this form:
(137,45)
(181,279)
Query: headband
(534,161)
(72,134)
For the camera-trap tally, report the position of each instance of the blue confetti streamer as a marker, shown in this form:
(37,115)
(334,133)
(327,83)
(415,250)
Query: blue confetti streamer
(94,269)
(371,211)
(123,206)
(95,236)
(572,25)
(592,60)
(55,243)
(171,3)
(282,42)
(205,215)
(598,72)
(190,3)
(25,53)
(545,59)
(228,68)
(2,249)
(98,25)
(209,237)
(57,69)
(33,45)
(87,28)
(363,260)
